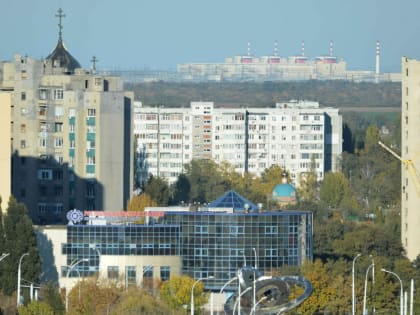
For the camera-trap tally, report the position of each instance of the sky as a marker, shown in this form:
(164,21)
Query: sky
(159,34)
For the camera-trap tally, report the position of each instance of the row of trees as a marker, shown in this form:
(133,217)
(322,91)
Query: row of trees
(328,93)
(93,296)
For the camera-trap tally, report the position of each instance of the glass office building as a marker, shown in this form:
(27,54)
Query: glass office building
(207,243)
(219,243)
(90,242)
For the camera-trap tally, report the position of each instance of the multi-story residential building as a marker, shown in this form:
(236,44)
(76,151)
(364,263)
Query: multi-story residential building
(71,135)
(410,144)
(292,134)
(5,148)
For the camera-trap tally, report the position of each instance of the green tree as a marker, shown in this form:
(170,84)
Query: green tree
(158,189)
(50,294)
(206,181)
(139,301)
(308,185)
(37,308)
(20,238)
(181,189)
(334,188)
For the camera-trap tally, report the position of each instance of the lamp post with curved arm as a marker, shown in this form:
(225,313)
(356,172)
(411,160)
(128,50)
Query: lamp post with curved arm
(372,265)
(238,300)
(70,268)
(19,279)
(3,256)
(401,291)
(353,294)
(192,292)
(254,282)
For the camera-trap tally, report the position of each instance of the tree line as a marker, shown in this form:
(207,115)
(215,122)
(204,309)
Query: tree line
(336,93)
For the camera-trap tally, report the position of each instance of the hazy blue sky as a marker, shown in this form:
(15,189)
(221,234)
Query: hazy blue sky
(162,33)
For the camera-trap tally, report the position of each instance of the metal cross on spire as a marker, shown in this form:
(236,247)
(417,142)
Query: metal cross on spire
(94,60)
(60,15)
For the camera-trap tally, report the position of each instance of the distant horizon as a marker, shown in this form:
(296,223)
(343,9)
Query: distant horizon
(160,34)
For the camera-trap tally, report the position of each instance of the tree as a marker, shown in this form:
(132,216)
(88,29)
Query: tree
(158,189)
(37,308)
(206,181)
(51,295)
(334,188)
(95,297)
(20,238)
(177,292)
(182,188)
(139,301)
(308,184)
(139,203)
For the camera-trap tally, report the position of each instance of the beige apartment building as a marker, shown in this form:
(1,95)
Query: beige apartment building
(71,135)
(410,152)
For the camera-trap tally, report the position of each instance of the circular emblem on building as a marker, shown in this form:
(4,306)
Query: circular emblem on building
(75,216)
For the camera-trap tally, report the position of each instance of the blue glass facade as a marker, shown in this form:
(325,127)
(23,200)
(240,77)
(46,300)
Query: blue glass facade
(209,243)
(218,244)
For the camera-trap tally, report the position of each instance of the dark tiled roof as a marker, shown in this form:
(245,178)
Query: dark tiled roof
(61,58)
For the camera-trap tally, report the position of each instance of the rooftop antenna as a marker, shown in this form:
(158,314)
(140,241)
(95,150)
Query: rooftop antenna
(60,15)
(276,48)
(249,49)
(303,48)
(331,48)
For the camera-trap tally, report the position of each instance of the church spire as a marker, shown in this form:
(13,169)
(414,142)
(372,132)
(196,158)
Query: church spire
(60,15)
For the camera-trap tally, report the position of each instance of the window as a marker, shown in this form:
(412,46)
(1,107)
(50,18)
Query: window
(22,144)
(200,252)
(44,174)
(131,274)
(58,94)
(58,142)
(91,112)
(165,273)
(59,111)
(91,160)
(201,229)
(58,127)
(270,252)
(112,272)
(58,191)
(236,229)
(23,96)
(43,94)
(148,272)
(271,230)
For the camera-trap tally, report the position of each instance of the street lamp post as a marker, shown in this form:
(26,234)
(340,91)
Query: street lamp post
(372,265)
(255,280)
(353,294)
(3,256)
(238,300)
(19,279)
(401,291)
(192,292)
(70,268)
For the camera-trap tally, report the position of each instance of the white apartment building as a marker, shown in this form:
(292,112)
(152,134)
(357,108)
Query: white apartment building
(290,134)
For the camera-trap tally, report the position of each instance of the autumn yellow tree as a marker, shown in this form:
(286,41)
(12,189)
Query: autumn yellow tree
(138,203)
(177,292)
